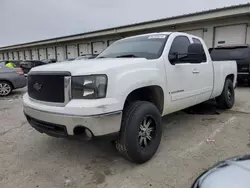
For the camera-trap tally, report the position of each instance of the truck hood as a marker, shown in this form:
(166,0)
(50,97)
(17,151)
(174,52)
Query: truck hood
(91,66)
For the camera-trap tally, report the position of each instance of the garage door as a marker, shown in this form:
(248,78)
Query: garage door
(84,49)
(71,51)
(27,55)
(21,55)
(98,47)
(59,53)
(34,53)
(10,55)
(42,54)
(15,54)
(229,35)
(196,32)
(51,53)
(5,56)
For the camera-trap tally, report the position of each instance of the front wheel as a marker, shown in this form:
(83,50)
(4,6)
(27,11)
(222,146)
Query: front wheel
(141,131)
(227,97)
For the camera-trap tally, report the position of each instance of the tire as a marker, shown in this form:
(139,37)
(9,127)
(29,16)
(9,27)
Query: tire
(227,97)
(5,88)
(131,143)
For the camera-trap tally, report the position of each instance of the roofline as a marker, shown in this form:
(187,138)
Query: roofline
(232,46)
(199,16)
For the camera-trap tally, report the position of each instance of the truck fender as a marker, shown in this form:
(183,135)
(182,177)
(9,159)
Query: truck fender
(131,80)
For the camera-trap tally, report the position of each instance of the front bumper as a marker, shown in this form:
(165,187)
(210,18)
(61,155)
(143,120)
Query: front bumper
(243,76)
(20,82)
(62,124)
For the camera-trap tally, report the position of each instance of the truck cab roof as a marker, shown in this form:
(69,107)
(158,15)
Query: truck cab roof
(232,46)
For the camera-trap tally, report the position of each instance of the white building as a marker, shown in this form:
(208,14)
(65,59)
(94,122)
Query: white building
(228,25)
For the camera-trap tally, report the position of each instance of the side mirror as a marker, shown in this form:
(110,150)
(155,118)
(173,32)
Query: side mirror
(173,58)
(195,53)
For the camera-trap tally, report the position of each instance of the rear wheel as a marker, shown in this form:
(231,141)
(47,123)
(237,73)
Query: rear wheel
(227,97)
(141,132)
(5,88)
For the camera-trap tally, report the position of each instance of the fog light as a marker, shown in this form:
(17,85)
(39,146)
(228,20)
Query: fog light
(88,133)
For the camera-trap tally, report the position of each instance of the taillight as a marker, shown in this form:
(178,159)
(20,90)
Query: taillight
(20,72)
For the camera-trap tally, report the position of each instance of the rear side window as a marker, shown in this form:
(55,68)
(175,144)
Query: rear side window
(197,41)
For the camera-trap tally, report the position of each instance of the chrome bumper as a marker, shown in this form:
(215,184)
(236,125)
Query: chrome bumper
(99,125)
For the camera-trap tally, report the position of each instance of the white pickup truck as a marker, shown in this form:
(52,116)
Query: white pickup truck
(124,91)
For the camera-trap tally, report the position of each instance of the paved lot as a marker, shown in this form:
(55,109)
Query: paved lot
(191,143)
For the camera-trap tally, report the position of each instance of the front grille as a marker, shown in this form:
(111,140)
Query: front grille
(243,67)
(48,128)
(48,88)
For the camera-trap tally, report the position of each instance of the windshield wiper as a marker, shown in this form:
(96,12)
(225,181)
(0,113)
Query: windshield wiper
(127,55)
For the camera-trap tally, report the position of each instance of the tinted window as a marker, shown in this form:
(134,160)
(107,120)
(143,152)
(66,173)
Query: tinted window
(220,54)
(27,64)
(197,41)
(180,45)
(149,47)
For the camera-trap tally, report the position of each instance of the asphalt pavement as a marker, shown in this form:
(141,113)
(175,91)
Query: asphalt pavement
(193,140)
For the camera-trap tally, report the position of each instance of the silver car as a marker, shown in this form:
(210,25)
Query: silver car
(11,79)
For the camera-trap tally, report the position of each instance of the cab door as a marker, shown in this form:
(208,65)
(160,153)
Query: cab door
(182,77)
(205,74)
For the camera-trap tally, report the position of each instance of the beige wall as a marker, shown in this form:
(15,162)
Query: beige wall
(207,26)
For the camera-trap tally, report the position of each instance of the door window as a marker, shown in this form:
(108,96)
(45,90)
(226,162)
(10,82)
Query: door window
(180,46)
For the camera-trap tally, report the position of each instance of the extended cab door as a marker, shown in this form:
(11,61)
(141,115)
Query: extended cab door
(205,74)
(183,78)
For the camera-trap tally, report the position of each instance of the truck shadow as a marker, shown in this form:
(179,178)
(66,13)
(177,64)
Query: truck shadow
(206,108)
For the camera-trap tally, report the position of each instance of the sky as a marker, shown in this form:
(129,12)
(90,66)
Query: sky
(30,20)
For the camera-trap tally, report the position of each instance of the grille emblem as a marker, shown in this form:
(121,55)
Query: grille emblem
(37,86)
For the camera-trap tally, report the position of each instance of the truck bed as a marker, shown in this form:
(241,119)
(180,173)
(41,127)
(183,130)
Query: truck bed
(221,70)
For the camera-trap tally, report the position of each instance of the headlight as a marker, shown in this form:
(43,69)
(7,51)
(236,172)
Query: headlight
(89,87)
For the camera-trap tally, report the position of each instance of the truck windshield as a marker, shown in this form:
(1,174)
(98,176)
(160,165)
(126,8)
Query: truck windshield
(237,53)
(149,47)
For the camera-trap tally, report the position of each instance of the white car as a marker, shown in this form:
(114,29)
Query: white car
(125,91)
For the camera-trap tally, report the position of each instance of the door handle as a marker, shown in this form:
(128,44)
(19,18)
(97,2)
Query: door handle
(196,71)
